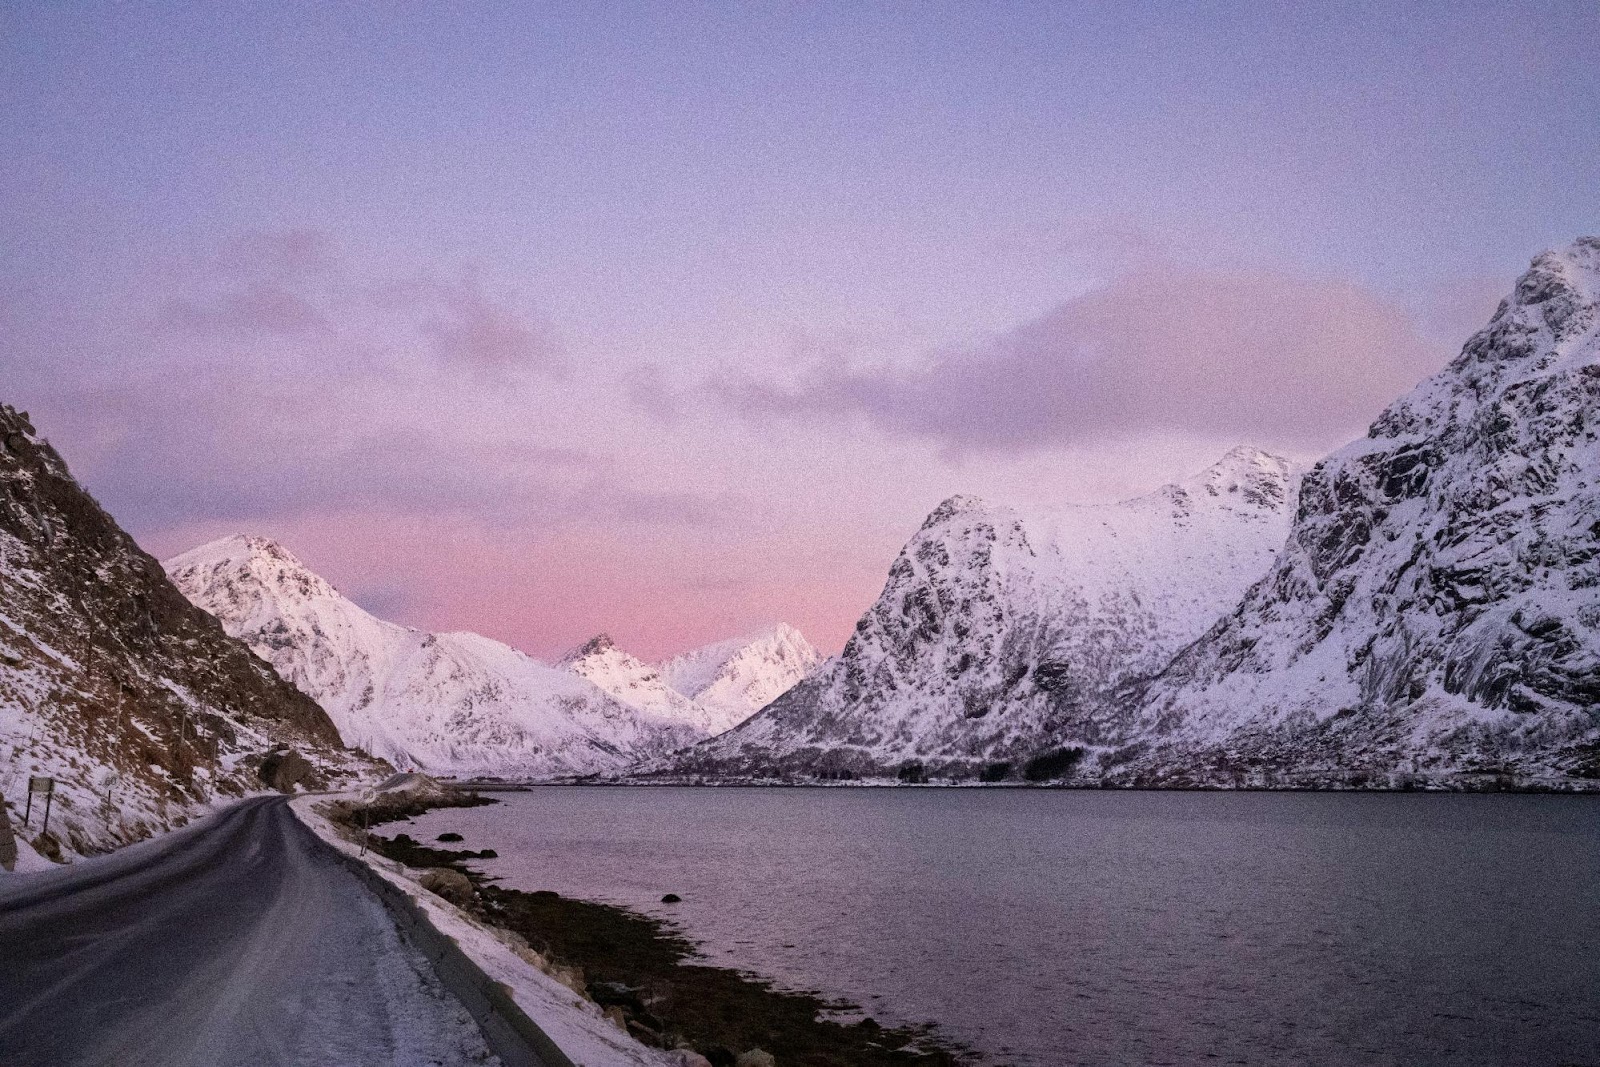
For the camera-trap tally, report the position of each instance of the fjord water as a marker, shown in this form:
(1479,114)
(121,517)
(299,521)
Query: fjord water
(1078,927)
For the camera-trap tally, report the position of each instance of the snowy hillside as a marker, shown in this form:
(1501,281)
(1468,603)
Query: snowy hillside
(641,687)
(734,679)
(1437,608)
(449,703)
(134,701)
(706,690)
(1000,629)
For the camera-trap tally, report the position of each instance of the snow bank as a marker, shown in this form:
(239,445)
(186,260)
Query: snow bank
(571,1021)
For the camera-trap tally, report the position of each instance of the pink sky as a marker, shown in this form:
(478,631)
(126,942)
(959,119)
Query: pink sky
(547,320)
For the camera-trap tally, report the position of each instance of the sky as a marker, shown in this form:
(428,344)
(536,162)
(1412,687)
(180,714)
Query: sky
(671,320)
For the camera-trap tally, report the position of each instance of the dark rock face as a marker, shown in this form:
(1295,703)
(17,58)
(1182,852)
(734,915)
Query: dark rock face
(124,690)
(286,769)
(1437,608)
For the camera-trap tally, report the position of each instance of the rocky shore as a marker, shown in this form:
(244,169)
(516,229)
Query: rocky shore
(639,970)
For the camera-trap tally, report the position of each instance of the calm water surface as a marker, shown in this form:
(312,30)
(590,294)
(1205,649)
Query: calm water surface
(1047,928)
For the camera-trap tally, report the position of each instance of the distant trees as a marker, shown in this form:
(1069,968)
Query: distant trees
(995,772)
(1056,763)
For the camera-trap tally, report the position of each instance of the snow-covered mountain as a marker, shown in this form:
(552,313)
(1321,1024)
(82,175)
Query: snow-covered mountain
(450,703)
(1437,608)
(137,703)
(640,686)
(1001,629)
(734,679)
(708,689)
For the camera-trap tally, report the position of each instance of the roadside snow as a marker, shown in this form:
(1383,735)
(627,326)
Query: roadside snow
(28,859)
(572,1022)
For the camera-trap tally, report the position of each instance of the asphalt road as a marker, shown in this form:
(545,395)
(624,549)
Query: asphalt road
(235,941)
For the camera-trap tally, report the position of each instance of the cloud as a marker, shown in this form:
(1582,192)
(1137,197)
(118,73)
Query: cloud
(279,380)
(1164,349)
(468,327)
(297,285)
(252,451)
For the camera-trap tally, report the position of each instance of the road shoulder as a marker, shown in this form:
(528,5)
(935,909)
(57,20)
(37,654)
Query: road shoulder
(571,1021)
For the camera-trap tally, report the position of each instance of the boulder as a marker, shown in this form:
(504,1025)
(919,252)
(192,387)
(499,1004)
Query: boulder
(687,1057)
(285,768)
(451,885)
(755,1058)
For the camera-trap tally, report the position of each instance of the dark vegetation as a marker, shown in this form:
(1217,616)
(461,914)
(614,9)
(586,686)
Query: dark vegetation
(642,967)
(643,973)
(995,772)
(1057,763)
(913,773)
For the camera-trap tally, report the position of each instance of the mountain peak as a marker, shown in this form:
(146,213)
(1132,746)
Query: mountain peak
(457,703)
(260,561)
(1258,477)
(597,645)
(241,548)
(952,506)
(1564,284)
(737,677)
(1436,601)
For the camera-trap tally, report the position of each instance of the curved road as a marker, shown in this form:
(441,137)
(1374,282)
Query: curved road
(235,941)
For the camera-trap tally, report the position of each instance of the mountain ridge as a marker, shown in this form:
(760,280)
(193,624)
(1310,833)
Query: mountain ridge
(448,703)
(997,625)
(138,704)
(1437,608)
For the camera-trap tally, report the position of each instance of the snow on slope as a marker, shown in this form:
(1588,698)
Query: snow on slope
(1437,607)
(640,686)
(1000,628)
(734,679)
(449,703)
(138,705)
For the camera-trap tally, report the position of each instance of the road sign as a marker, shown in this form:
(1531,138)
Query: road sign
(47,786)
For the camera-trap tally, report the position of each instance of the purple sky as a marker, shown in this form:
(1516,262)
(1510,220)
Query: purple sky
(670,320)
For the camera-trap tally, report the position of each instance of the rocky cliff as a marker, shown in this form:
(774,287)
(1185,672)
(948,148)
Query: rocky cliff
(1001,631)
(111,682)
(1436,611)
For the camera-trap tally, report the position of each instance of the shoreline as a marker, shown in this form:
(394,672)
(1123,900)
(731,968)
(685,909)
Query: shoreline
(645,977)
(1576,787)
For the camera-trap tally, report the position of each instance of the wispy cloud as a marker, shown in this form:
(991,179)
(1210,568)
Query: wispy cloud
(298,285)
(1163,349)
(281,379)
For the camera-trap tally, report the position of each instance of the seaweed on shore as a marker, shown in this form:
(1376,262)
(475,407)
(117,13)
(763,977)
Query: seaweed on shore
(644,968)
(642,972)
